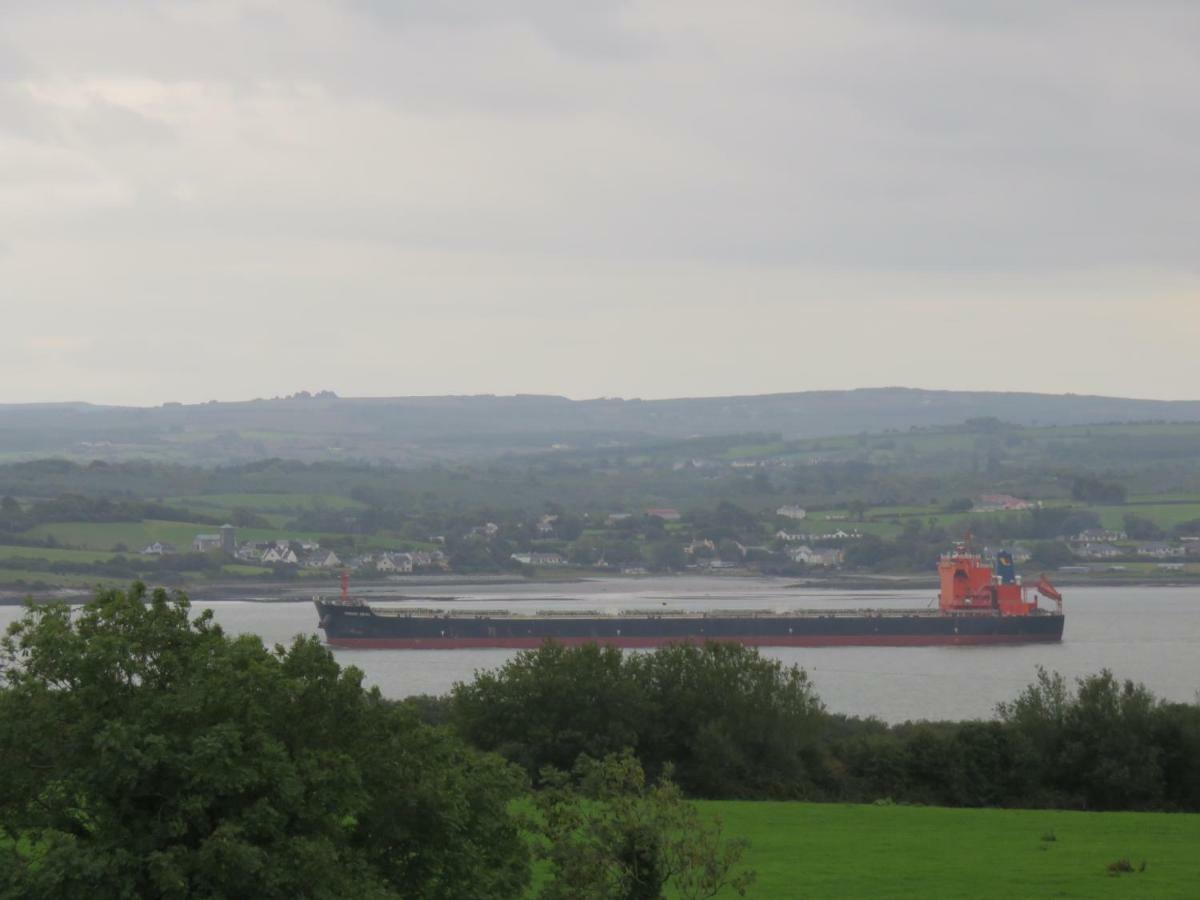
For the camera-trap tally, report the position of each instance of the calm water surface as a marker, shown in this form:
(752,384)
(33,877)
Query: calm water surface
(1147,634)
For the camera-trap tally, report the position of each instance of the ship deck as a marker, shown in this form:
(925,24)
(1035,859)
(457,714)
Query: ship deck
(698,615)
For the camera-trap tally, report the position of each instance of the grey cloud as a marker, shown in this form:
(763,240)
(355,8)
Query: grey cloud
(921,140)
(589,28)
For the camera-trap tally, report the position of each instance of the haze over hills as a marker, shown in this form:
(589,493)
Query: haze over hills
(421,429)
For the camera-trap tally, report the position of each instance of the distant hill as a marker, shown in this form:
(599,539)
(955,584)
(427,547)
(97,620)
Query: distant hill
(421,429)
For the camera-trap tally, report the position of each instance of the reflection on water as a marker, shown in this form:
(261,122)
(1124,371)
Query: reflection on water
(1147,634)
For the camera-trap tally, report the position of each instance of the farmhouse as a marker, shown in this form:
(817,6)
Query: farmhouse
(204,543)
(1160,550)
(539,559)
(667,515)
(322,559)
(399,563)
(1000,502)
(819,556)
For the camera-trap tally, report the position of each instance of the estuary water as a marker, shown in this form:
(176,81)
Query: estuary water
(1148,634)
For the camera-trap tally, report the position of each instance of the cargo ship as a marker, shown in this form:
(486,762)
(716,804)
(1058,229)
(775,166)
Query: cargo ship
(977,604)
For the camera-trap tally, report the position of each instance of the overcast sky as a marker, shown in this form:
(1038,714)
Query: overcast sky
(240,198)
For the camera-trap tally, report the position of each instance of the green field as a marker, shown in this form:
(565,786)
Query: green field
(264,503)
(804,850)
(1164,515)
(56,554)
(135,535)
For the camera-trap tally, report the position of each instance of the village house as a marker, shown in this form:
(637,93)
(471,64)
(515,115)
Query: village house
(667,515)
(616,518)
(280,552)
(1161,550)
(792,512)
(545,525)
(158,548)
(539,559)
(1097,550)
(1091,535)
(206,543)
(252,551)
(790,537)
(397,563)
(1000,503)
(706,544)
(818,556)
(322,559)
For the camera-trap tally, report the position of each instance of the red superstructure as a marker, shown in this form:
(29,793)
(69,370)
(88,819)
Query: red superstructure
(968,583)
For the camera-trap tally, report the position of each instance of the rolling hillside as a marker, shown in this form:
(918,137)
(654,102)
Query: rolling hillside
(423,429)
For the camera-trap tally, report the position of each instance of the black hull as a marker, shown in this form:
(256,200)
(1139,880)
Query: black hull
(359,626)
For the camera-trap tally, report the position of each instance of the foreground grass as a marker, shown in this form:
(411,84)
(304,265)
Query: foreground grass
(824,850)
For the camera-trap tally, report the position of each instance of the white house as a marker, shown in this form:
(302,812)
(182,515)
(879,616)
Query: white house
(398,563)
(1097,550)
(1161,550)
(322,559)
(792,512)
(203,543)
(539,559)
(1092,535)
(278,554)
(158,548)
(818,556)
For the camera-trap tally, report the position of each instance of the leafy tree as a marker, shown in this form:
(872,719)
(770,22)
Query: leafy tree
(731,722)
(549,706)
(616,838)
(244,517)
(1095,746)
(1051,554)
(665,556)
(1091,489)
(148,754)
(1142,529)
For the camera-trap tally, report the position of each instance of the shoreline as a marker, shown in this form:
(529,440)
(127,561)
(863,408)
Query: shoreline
(402,589)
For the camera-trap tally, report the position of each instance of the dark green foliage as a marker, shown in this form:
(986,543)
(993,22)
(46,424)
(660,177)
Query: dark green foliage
(608,835)
(549,706)
(149,755)
(731,722)
(1091,489)
(1139,528)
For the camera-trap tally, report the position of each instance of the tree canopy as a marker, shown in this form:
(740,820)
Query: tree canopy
(148,754)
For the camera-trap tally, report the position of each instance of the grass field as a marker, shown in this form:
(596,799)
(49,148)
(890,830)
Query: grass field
(54,554)
(135,535)
(804,850)
(264,503)
(1164,515)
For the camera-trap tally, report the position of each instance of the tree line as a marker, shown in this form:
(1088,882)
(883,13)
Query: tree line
(148,754)
(733,724)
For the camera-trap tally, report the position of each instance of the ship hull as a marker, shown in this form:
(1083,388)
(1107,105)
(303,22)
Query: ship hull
(361,628)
